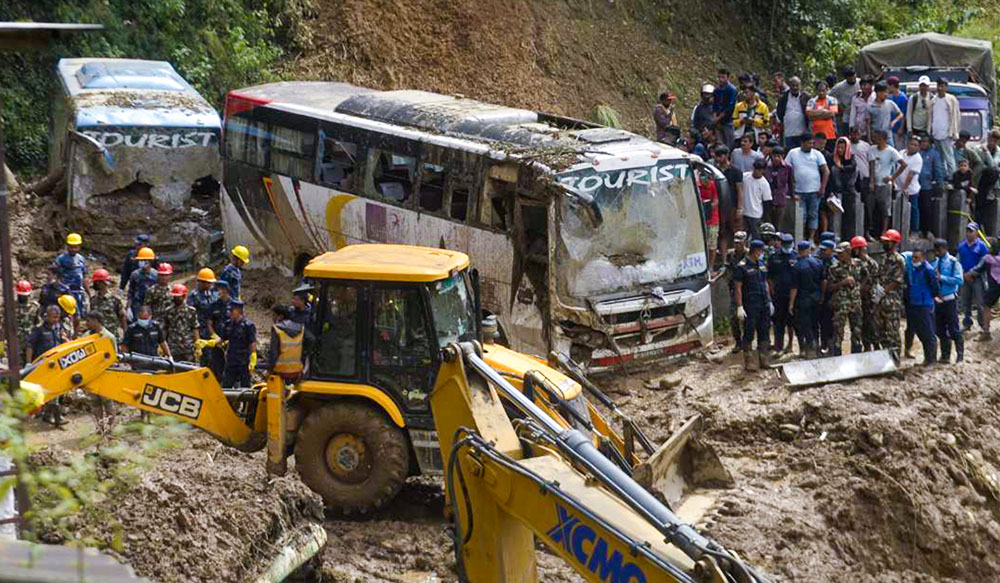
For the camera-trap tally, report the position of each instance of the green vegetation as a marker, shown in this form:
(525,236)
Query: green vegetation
(816,37)
(606,115)
(217,45)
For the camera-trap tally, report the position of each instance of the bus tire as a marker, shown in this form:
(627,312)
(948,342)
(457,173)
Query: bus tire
(353,456)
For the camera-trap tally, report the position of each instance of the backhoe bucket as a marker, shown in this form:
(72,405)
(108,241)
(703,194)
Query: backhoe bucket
(684,471)
(802,373)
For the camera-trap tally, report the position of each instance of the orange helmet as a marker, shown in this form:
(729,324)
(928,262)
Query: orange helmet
(206,274)
(178,290)
(165,269)
(145,254)
(858,241)
(892,235)
(24,288)
(101,275)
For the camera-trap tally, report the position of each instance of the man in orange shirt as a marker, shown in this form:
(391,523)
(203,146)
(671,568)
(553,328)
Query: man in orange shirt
(822,112)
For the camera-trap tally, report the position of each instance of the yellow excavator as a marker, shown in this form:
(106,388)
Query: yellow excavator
(387,393)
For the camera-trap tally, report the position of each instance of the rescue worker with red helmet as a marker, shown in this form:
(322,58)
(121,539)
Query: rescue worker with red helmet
(27,314)
(868,270)
(106,301)
(181,324)
(888,292)
(158,294)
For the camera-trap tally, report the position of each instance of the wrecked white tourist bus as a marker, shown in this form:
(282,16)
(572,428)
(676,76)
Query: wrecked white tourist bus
(589,240)
(140,151)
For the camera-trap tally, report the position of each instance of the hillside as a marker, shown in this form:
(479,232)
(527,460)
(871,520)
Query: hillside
(563,56)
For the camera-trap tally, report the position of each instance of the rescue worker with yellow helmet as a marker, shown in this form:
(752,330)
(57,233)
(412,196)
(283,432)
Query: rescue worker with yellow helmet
(201,299)
(141,279)
(233,273)
(73,268)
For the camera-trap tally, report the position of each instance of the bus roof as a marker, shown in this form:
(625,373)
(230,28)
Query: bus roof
(132,92)
(531,133)
(383,262)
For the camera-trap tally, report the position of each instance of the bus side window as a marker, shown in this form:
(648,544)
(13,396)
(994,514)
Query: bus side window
(247,141)
(432,187)
(460,201)
(338,163)
(501,187)
(292,152)
(392,175)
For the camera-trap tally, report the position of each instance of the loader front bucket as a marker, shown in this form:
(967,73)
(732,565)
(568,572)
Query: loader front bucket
(685,471)
(803,373)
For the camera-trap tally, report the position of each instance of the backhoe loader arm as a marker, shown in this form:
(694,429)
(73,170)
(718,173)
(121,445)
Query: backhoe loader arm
(548,481)
(192,395)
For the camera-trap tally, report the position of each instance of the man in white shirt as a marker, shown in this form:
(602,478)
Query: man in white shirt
(907,177)
(944,123)
(860,103)
(810,174)
(756,192)
(844,92)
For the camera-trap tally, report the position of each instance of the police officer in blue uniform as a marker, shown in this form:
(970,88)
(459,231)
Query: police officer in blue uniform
(241,351)
(808,285)
(824,322)
(131,264)
(302,309)
(779,277)
(218,319)
(753,305)
(73,268)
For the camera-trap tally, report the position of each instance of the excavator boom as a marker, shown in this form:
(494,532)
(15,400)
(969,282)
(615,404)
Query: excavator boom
(190,394)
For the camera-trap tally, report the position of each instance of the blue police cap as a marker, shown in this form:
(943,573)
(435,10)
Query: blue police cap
(142,239)
(756,244)
(804,244)
(235,304)
(222,283)
(787,238)
(827,236)
(827,244)
(972,226)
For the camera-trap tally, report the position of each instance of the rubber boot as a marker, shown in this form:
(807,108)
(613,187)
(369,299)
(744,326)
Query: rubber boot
(945,352)
(930,356)
(959,349)
(765,358)
(749,361)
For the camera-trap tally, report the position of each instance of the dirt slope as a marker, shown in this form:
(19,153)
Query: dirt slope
(560,56)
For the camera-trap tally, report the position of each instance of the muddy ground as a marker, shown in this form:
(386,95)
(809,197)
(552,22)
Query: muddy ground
(890,479)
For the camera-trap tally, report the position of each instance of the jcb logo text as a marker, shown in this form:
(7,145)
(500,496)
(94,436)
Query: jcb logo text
(171,402)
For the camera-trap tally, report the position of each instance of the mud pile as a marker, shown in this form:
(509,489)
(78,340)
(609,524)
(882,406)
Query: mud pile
(884,479)
(202,512)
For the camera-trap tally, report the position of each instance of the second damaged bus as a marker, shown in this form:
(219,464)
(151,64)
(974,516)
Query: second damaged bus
(589,240)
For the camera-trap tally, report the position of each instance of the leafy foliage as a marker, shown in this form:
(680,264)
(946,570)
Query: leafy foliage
(606,115)
(217,45)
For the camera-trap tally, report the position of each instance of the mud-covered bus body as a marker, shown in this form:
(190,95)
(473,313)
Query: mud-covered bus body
(312,166)
(140,151)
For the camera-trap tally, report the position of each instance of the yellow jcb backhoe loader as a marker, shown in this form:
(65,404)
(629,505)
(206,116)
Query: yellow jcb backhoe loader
(359,421)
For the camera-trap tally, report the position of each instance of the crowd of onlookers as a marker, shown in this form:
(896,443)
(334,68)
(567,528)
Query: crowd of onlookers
(856,136)
(858,142)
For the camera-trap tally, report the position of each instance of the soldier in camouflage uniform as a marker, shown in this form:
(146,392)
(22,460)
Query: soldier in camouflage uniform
(733,258)
(158,295)
(868,269)
(888,293)
(107,303)
(845,297)
(180,325)
(27,311)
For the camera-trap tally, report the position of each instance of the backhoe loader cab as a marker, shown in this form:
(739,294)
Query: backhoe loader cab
(384,314)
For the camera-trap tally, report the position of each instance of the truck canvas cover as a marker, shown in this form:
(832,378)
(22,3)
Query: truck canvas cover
(934,50)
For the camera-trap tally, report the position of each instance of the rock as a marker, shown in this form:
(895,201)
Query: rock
(670,381)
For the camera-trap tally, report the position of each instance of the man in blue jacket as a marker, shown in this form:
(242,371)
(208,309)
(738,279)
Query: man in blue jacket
(932,181)
(923,292)
(970,252)
(949,272)
(723,103)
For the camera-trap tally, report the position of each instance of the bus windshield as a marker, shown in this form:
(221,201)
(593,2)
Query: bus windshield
(626,229)
(451,305)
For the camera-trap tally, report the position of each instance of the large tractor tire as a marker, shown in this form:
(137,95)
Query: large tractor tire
(353,456)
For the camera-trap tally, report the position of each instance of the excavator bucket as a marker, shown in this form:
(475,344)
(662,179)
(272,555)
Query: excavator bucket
(818,371)
(684,471)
